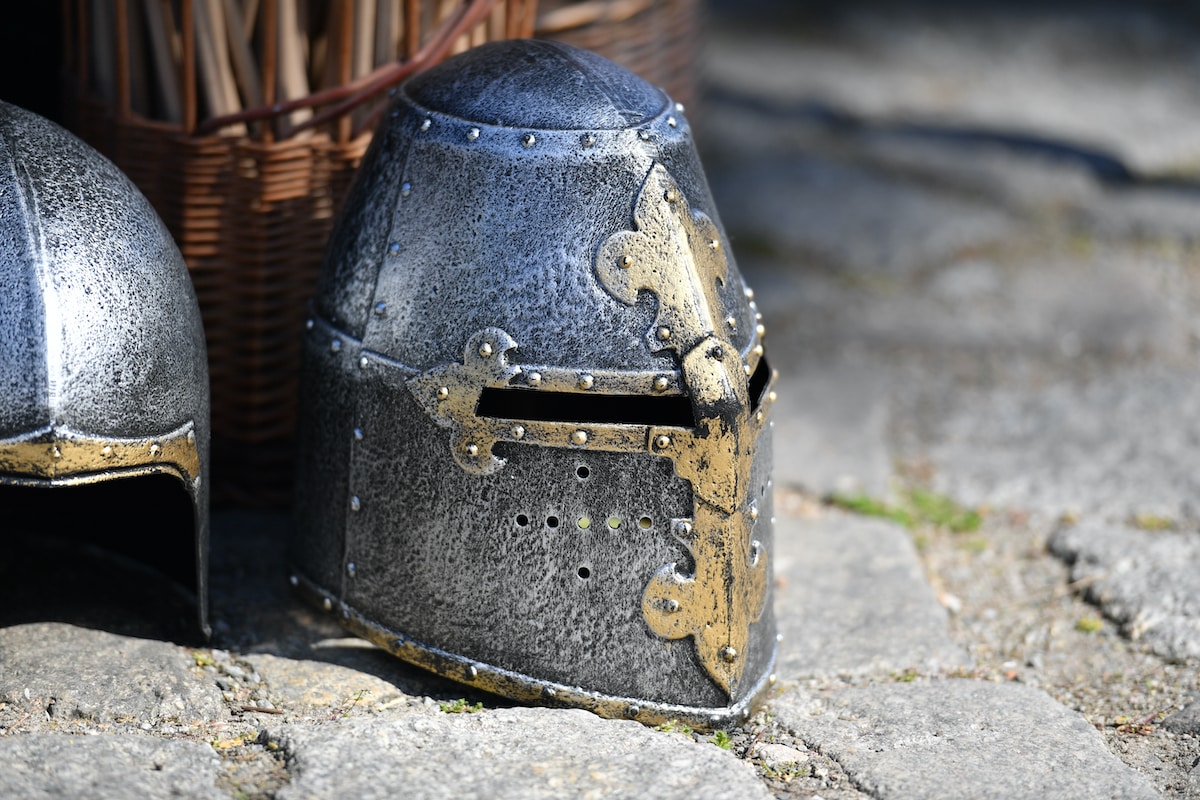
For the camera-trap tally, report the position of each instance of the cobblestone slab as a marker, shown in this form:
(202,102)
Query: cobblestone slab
(1112,447)
(851,598)
(1146,580)
(831,429)
(54,767)
(505,753)
(55,676)
(959,738)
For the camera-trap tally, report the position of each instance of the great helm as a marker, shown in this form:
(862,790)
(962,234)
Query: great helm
(535,451)
(103,374)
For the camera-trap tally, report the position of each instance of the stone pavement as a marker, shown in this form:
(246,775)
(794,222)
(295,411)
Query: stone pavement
(973,237)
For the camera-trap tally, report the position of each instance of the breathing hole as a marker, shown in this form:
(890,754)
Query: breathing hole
(552,522)
(584,523)
(614,522)
(645,523)
(584,572)
(583,472)
(522,520)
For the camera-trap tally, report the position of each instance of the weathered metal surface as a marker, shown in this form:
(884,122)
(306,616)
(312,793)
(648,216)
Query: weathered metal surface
(532,365)
(103,373)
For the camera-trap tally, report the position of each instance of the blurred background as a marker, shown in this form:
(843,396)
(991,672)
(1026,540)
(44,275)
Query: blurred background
(930,196)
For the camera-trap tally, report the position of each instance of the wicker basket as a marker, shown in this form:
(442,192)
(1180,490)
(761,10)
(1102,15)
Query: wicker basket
(250,198)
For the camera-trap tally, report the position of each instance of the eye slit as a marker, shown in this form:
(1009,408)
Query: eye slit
(532,405)
(758,384)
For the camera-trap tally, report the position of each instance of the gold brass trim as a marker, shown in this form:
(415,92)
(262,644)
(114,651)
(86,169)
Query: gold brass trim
(526,689)
(58,454)
(671,254)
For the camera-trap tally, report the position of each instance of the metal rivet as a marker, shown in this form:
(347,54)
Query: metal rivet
(661,383)
(355,503)
(155,449)
(426,123)
(714,244)
(528,140)
(588,140)
(293,580)
(662,442)
(380,309)
(644,135)
(679,107)
(106,451)
(729,654)
(518,432)
(472,450)
(406,188)
(771,679)
(328,604)
(443,392)
(717,353)
(485,349)
(55,452)
(335,345)
(758,350)
(625,262)
(671,121)
(472,134)
(351,569)
(634,710)
(535,378)
(308,324)
(779,637)
(191,437)
(399,643)
(579,437)
(753,511)
(550,692)
(670,195)
(394,247)
(758,416)
(672,605)
(731,321)
(586,381)
(363,362)
(772,396)
(472,672)
(747,370)
(755,551)
(663,333)
(683,528)
(749,293)
(358,434)
(760,329)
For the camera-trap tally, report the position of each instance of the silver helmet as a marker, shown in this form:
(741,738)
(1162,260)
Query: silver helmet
(103,374)
(535,447)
